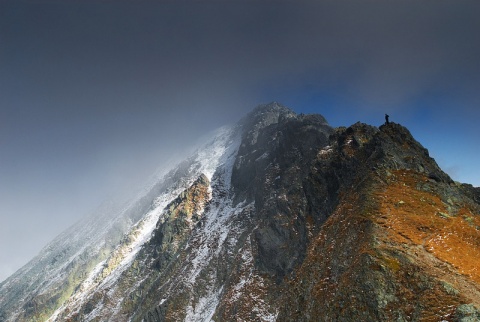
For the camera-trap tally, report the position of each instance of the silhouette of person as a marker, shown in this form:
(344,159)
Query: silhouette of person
(386,119)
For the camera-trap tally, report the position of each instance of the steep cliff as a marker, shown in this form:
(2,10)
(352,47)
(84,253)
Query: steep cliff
(280,218)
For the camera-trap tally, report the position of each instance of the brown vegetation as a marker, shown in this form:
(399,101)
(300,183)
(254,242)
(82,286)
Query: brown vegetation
(416,217)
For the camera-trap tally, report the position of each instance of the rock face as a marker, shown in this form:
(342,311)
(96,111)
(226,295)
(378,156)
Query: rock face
(280,218)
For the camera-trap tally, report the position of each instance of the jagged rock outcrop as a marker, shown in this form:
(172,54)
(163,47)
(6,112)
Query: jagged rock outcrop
(284,218)
(272,164)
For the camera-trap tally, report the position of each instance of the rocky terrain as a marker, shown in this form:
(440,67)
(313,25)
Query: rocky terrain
(278,218)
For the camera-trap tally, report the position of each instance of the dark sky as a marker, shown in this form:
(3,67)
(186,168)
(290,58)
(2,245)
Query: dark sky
(96,95)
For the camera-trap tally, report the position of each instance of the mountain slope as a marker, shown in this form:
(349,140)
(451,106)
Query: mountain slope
(401,245)
(280,218)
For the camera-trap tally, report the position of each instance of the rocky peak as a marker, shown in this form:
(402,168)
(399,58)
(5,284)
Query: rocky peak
(389,147)
(405,152)
(274,137)
(261,117)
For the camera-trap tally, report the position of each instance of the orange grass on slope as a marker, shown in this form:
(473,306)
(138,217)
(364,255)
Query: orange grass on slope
(413,216)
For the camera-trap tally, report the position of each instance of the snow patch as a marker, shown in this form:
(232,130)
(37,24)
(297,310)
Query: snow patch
(325,151)
(205,307)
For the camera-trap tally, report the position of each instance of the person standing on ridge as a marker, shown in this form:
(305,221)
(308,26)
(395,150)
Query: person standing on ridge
(386,119)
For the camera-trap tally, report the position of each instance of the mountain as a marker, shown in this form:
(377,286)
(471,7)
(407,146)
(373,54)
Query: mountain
(278,218)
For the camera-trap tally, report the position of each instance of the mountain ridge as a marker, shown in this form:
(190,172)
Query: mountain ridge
(278,218)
